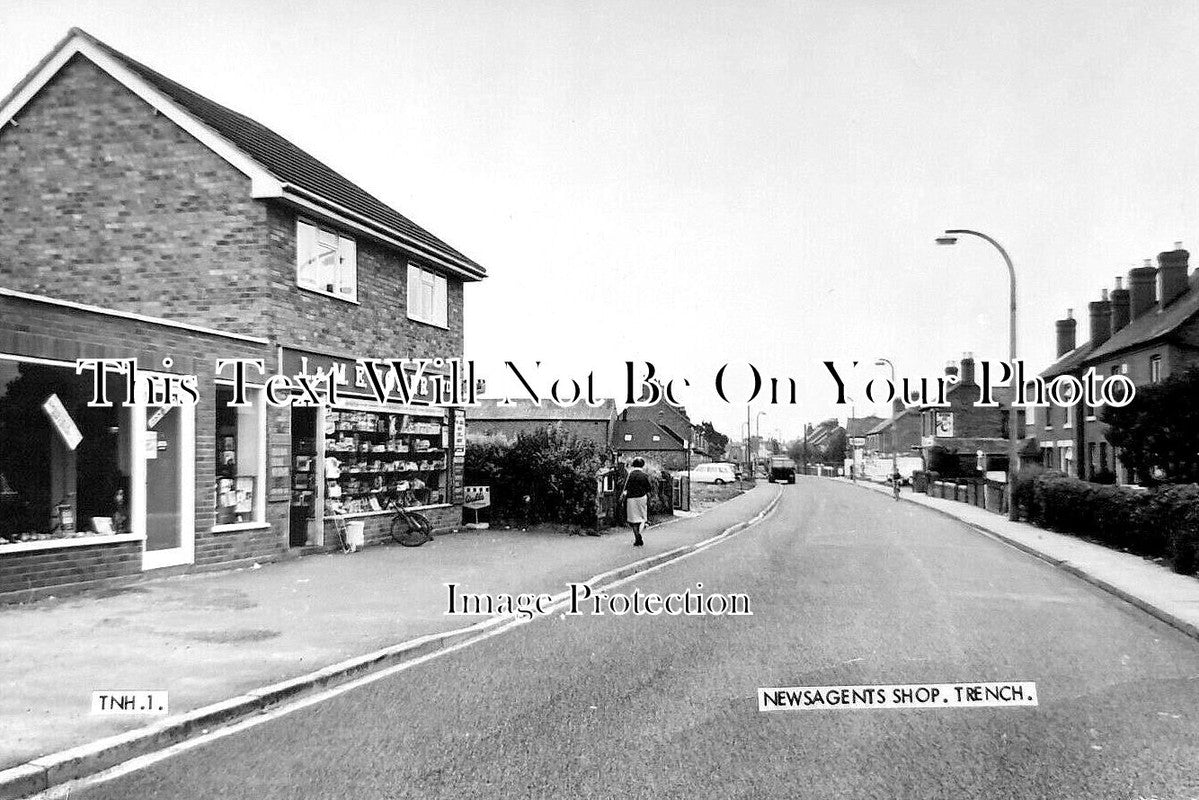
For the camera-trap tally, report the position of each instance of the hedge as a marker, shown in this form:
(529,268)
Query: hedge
(1162,522)
(547,475)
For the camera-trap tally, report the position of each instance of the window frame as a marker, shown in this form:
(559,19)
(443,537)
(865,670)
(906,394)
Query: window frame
(425,278)
(342,241)
(256,395)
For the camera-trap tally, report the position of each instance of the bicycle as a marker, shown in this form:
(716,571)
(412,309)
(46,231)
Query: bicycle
(409,528)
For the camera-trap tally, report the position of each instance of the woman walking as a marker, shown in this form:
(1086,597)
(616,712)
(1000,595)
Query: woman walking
(636,497)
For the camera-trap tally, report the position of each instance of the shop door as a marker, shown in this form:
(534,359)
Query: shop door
(167,454)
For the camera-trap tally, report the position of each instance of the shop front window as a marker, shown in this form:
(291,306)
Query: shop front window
(239,457)
(64,467)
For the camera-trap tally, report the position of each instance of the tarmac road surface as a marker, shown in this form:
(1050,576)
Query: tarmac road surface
(846,587)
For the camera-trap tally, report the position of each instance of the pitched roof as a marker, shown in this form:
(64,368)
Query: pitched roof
(527,410)
(642,432)
(858,426)
(1156,322)
(1068,362)
(303,176)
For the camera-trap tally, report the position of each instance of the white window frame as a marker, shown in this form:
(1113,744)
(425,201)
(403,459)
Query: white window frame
(347,257)
(1155,369)
(428,297)
(256,395)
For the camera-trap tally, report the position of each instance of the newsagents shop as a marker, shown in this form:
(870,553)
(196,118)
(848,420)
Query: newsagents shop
(93,495)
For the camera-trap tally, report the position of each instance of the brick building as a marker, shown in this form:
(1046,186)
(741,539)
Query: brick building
(661,433)
(962,430)
(1146,331)
(141,220)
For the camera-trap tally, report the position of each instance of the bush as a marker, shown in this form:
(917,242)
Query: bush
(547,475)
(1163,522)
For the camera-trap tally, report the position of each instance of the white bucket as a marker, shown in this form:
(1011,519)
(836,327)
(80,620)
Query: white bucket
(356,534)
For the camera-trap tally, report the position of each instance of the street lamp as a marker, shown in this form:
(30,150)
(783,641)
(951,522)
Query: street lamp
(894,433)
(758,428)
(951,237)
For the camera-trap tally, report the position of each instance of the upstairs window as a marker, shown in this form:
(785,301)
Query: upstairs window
(326,261)
(428,301)
(1155,369)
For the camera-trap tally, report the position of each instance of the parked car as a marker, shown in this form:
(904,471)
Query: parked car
(716,473)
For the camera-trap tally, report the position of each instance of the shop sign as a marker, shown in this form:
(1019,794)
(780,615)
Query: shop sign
(157,416)
(943,424)
(151,444)
(476,496)
(63,423)
(352,378)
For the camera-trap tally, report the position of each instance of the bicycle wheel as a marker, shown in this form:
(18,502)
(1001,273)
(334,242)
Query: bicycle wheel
(408,532)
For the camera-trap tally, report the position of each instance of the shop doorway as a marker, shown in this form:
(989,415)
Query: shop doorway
(166,457)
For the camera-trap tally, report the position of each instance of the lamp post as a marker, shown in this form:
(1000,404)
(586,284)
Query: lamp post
(894,434)
(758,428)
(951,237)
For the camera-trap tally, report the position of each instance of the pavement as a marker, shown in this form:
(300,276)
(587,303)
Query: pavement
(211,637)
(1150,585)
(847,588)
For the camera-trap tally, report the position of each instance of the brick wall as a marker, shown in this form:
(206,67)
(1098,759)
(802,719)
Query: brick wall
(106,202)
(377,528)
(377,326)
(595,430)
(38,330)
(27,575)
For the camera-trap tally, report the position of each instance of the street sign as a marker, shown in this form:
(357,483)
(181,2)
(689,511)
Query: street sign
(858,441)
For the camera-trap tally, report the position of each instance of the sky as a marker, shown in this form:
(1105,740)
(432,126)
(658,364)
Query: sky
(699,183)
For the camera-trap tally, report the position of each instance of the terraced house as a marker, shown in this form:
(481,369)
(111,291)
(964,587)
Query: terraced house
(141,220)
(1147,331)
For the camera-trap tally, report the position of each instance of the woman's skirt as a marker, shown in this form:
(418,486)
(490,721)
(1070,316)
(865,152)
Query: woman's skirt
(636,509)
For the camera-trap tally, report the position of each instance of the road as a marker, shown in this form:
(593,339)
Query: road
(847,587)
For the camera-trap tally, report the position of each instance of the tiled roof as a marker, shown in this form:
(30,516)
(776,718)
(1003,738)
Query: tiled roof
(1069,362)
(643,431)
(283,159)
(1154,323)
(527,410)
(860,425)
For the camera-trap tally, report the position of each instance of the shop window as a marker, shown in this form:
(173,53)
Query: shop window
(64,467)
(326,261)
(240,432)
(428,300)
(374,459)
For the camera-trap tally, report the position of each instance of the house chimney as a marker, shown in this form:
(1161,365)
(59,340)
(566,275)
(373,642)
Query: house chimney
(1120,307)
(1142,289)
(1065,333)
(1172,274)
(951,369)
(1101,320)
(967,373)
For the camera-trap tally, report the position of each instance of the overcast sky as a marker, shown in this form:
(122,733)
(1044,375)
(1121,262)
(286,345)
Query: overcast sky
(695,183)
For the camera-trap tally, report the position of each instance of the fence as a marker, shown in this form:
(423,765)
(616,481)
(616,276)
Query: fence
(977,491)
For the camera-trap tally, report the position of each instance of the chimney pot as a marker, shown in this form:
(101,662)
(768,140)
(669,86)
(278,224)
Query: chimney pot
(1121,307)
(1101,321)
(1172,275)
(967,372)
(1066,333)
(1142,289)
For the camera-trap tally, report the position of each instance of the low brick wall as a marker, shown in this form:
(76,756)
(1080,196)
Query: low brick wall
(377,527)
(28,574)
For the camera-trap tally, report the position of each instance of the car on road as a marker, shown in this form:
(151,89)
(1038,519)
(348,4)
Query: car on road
(716,472)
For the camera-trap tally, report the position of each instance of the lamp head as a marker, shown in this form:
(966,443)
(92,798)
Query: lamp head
(947,240)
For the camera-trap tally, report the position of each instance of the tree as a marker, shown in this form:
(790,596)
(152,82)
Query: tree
(834,448)
(1156,433)
(717,442)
